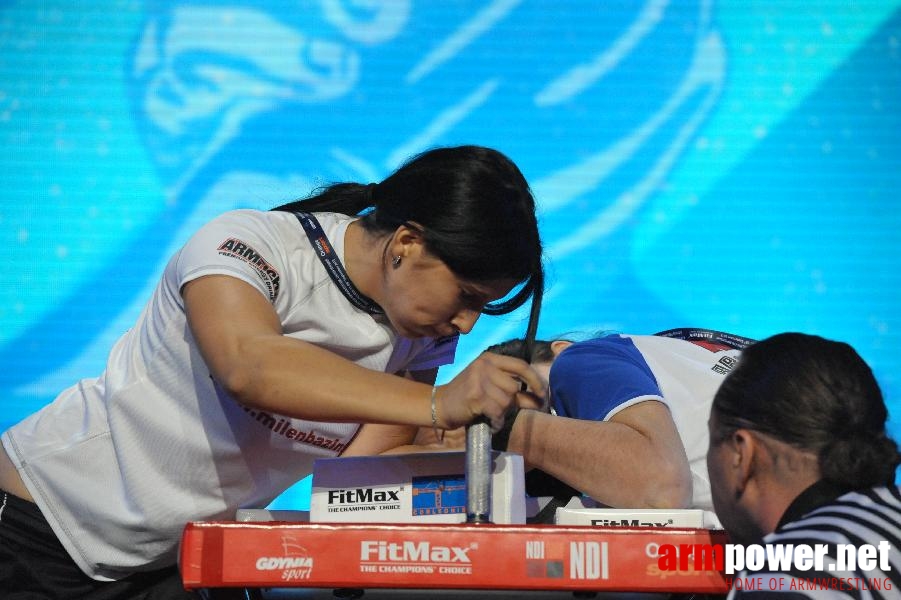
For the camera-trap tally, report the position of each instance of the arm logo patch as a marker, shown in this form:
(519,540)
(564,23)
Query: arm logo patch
(235,248)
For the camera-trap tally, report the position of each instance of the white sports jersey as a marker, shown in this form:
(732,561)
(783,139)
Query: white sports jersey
(120,463)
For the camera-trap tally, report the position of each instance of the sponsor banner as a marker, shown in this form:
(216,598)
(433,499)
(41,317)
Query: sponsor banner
(232,554)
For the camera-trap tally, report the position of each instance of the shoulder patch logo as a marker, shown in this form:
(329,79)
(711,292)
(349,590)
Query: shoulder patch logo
(268,275)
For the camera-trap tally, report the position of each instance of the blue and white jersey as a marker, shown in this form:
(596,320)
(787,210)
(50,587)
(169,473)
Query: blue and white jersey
(598,378)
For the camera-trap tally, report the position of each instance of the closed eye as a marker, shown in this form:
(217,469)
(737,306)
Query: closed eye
(471,300)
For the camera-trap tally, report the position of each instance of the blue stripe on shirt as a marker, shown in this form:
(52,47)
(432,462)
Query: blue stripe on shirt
(592,378)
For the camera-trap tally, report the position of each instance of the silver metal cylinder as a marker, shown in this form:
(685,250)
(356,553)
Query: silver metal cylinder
(478,472)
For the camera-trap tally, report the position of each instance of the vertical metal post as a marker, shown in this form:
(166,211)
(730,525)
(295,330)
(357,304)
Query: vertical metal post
(478,472)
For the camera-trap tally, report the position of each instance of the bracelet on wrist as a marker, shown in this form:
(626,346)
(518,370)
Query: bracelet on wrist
(434,407)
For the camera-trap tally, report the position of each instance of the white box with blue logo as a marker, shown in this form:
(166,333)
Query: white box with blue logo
(412,488)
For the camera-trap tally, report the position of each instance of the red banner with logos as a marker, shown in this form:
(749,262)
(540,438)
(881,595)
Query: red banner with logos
(516,557)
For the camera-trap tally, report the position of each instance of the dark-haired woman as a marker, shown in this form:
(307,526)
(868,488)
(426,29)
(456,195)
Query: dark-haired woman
(272,336)
(799,456)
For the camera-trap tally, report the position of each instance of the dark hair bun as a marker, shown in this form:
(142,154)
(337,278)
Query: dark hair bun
(858,461)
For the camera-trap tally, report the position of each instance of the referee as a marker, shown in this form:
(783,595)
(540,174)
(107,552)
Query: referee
(799,457)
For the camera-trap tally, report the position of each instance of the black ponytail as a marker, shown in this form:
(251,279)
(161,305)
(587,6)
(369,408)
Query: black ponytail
(345,198)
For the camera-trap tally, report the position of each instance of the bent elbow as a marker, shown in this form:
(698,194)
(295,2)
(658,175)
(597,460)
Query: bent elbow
(238,384)
(670,493)
(661,492)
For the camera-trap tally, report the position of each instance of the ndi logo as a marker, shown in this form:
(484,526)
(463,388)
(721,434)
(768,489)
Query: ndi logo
(587,560)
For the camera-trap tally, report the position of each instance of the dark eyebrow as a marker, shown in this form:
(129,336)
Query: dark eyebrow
(473,295)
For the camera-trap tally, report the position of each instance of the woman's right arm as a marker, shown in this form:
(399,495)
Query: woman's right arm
(240,337)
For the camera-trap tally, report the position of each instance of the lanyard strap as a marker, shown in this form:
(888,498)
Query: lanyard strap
(333,265)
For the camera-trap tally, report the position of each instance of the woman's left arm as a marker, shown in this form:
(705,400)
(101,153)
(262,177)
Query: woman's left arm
(374,438)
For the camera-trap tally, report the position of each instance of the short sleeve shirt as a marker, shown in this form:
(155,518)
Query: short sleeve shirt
(119,463)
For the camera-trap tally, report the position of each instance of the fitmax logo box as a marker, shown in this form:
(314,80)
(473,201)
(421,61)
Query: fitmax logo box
(414,488)
(627,517)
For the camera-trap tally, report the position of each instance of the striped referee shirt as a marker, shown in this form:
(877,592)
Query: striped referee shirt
(837,526)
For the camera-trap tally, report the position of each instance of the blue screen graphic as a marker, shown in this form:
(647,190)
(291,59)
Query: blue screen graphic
(439,495)
(728,165)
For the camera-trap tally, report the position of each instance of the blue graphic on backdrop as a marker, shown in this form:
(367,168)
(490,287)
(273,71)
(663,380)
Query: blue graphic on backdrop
(671,181)
(339,92)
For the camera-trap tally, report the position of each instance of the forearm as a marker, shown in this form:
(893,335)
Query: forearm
(379,439)
(240,338)
(419,449)
(611,462)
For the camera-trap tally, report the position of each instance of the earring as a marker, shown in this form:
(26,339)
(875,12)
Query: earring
(396,262)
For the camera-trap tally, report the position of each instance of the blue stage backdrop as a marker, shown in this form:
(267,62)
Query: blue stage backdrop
(732,164)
